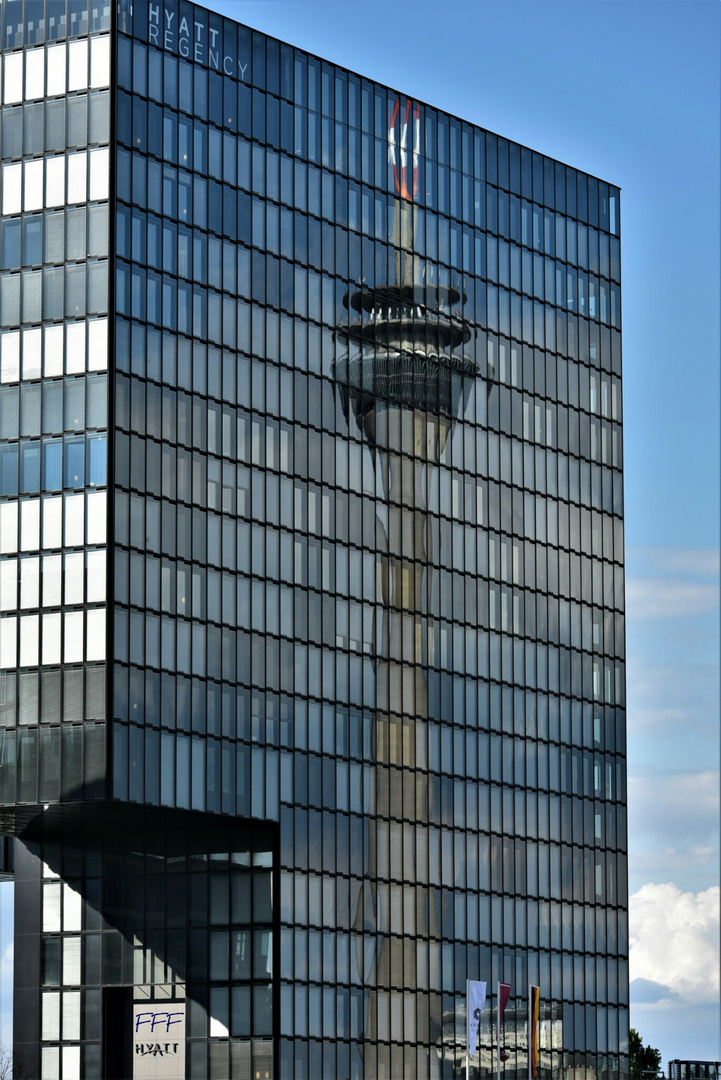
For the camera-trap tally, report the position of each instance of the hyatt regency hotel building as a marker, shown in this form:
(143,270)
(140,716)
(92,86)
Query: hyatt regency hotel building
(312,687)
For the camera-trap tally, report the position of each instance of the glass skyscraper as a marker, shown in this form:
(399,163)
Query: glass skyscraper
(312,688)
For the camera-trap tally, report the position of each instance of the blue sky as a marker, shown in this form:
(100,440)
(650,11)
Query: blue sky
(629,92)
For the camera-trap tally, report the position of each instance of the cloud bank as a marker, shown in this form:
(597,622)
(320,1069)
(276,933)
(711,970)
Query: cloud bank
(674,945)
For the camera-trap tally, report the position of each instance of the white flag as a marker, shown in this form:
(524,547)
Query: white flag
(475,1000)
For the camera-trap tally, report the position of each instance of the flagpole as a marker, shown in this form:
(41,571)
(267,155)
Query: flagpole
(468,1030)
(498,1031)
(530,1032)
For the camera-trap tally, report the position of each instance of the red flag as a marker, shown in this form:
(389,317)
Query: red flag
(504,993)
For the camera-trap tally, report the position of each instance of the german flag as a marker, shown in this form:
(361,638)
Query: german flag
(534,1008)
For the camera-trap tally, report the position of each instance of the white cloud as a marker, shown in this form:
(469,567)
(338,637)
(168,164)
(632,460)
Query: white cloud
(674,941)
(669,598)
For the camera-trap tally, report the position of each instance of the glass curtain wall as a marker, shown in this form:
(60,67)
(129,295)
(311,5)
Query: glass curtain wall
(399,643)
(252,539)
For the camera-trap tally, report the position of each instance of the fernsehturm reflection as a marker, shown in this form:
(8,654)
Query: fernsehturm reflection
(405,378)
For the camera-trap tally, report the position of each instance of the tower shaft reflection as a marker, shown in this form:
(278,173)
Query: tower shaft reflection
(405,378)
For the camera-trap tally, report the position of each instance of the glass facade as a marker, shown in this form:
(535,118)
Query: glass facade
(311,563)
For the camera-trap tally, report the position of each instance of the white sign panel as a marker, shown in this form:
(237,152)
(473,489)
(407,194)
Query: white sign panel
(159,1040)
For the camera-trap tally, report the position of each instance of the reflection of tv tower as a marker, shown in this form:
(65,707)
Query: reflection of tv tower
(403,379)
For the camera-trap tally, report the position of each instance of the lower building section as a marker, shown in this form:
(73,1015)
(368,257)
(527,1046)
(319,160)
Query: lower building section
(144,946)
(184,946)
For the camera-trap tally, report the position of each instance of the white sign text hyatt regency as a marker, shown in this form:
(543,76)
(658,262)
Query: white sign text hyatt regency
(193,40)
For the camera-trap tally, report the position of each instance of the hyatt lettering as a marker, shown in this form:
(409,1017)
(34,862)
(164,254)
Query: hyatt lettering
(195,41)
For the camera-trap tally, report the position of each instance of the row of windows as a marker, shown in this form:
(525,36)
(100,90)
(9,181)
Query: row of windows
(238,955)
(180,776)
(53,405)
(160,526)
(452,648)
(55,237)
(329,958)
(75,578)
(239,164)
(458,861)
(54,180)
(267,717)
(201,428)
(336,731)
(266,279)
(202,313)
(50,351)
(55,521)
(62,639)
(432,1025)
(263,387)
(311,900)
(193,255)
(416,593)
(447,140)
(223,209)
(453,751)
(51,20)
(66,67)
(430,800)
(72,122)
(307,1059)
(208,482)
(289,392)
(334,622)
(179,645)
(77,461)
(52,763)
(238,898)
(54,294)
(69,695)
(202,592)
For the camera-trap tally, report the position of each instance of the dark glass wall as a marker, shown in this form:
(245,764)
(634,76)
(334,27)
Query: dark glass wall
(473,823)
(367,590)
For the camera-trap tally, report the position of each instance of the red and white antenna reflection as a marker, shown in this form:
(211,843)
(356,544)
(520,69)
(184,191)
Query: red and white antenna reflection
(401,130)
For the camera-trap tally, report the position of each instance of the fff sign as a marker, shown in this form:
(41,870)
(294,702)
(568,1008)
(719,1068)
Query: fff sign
(159,1040)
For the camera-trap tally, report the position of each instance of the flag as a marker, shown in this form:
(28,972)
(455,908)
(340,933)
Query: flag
(475,1000)
(534,1008)
(504,992)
